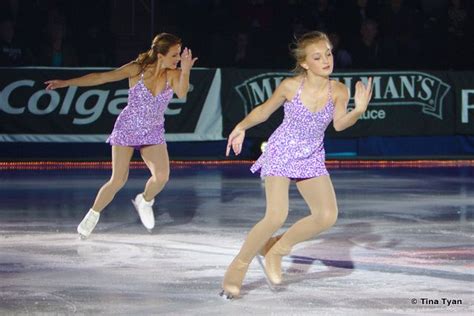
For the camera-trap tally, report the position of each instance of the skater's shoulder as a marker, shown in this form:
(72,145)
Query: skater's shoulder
(339,90)
(292,82)
(132,69)
(289,86)
(133,66)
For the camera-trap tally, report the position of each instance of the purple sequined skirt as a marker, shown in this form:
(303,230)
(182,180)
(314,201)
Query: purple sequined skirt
(297,162)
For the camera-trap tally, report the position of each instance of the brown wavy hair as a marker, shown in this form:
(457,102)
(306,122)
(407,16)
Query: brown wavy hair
(161,45)
(299,46)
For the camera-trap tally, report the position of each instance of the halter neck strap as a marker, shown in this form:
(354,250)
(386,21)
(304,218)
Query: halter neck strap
(300,88)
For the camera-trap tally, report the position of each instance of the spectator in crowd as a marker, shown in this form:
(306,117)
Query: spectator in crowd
(457,19)
(458,29)
(322,16)
(56,51)
(355,13)
(241,56)
(12,53)
(366,50)
(342,57)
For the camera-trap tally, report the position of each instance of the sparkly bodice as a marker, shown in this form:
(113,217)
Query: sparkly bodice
(302,128)
(144,102)
(141,122)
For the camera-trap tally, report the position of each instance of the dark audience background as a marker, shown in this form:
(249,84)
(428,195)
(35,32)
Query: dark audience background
(377,34)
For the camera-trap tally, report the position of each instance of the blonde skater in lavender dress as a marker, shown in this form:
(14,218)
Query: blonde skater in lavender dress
(153,78)
(295,151)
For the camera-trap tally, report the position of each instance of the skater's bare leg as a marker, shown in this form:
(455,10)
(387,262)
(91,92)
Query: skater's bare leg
(321,199)
(120,164)
(276,190)
(121,157)
(157,160)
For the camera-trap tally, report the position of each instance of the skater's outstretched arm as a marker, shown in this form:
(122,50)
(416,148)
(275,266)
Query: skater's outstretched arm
(258,115)
(93,79)
(342,118)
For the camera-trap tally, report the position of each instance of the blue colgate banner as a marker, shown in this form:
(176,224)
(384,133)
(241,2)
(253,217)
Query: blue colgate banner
(28,112)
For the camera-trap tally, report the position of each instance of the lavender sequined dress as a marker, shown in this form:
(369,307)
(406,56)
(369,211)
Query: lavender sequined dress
(295,149)
(141,122)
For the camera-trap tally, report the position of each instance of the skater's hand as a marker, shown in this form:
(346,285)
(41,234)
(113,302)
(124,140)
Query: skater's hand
(187,60)
(363,94)
(236,139)
(55,84)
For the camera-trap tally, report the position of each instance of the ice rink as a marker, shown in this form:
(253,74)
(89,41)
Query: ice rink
(403,245)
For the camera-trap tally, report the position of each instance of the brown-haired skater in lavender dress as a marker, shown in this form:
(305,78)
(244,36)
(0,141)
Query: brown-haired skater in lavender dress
(153,78)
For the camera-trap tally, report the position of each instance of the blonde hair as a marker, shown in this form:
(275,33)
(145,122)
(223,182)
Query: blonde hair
(161,45)
(298,51)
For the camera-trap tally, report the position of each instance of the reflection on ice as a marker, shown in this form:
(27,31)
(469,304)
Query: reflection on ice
(400,236)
